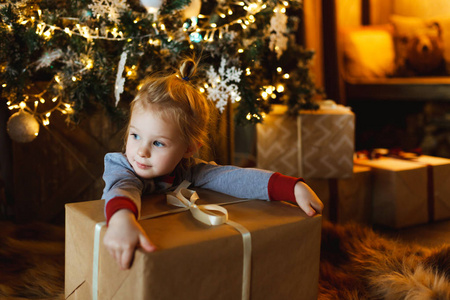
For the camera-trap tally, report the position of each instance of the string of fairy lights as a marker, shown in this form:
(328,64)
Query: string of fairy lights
(43,104)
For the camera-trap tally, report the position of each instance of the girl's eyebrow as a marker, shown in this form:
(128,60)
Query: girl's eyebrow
(157,137)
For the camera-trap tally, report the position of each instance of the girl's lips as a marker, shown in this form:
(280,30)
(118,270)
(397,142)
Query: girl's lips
(142,166)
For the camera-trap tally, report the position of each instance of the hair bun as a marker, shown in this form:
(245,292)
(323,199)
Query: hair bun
(187,69)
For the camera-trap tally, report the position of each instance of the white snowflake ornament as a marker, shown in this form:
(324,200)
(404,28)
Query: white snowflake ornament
(278,32)
(48,58)
(221,86)
(110,9)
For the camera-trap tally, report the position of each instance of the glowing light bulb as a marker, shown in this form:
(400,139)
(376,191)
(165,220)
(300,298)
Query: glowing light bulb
(90,64)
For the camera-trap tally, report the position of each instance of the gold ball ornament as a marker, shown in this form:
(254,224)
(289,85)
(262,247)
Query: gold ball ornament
(22,127)
(193,9)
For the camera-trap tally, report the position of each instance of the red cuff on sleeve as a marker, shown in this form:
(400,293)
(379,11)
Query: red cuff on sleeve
(281,187)
(118,203)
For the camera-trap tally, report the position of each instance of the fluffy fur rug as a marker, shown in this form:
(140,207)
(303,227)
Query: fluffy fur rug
(356,263)
(31,261)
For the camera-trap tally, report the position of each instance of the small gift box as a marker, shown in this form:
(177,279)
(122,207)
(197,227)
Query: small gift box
(438,186)
(194,260)
(316,144)
(347,199)
(409,191)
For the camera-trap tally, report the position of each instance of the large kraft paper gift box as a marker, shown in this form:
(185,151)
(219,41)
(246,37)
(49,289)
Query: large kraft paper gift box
(197,261)
(409,192)
(316,144)
(346,200)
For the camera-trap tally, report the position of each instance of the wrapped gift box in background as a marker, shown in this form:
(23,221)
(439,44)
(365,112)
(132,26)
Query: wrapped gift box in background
(399,192)
(409,191)
(439,186)
(197,261)
(347,199)
(316,144)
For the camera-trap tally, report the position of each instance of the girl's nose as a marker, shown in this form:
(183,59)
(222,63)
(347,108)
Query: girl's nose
(143,152)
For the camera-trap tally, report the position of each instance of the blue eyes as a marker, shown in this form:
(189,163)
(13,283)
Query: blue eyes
(155,143)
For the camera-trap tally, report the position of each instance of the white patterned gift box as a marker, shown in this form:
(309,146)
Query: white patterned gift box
(316,144)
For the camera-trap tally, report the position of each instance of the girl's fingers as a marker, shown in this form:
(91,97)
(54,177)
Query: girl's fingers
(145,243)
(307,209)
(318,206)
(125,259)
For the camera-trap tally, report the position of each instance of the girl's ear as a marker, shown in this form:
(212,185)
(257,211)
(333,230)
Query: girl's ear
(191,150)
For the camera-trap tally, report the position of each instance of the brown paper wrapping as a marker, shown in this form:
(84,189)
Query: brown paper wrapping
(316,144)
(440,185)
(196,261)
(348,199)
(399,192)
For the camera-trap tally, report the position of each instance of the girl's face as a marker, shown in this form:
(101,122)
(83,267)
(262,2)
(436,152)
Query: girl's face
(154,145)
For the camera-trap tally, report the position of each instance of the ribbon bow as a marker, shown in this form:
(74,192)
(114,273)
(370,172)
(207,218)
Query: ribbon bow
(395,153)
(182,197)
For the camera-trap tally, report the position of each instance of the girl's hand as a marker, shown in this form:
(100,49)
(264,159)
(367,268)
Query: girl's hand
(307,199)
(123,236)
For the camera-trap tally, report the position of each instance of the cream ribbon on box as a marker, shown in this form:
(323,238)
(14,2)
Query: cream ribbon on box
(185,199)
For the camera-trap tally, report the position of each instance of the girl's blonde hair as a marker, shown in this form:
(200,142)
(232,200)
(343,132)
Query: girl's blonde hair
(175,98)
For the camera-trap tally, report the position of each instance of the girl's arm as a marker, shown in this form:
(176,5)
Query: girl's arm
(123,189)
(255,183)
(122,194)
(230,180)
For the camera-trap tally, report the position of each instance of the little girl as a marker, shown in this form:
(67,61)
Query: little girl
(168,124)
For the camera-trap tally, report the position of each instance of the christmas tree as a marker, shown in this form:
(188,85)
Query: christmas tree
(76,56)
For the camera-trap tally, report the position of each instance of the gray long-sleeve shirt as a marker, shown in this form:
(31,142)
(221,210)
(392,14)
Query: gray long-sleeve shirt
(121,180)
